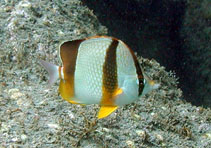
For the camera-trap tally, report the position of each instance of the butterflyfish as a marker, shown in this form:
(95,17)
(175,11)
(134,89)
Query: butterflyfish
(99,70)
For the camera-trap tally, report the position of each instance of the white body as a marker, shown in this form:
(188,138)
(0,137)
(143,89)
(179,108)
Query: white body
(89,72)
(88,76)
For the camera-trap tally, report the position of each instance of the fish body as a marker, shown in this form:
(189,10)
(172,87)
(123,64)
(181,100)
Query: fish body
(99,70)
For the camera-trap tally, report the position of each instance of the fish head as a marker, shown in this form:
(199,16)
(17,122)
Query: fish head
(131,86)
(149,85)
(130,90)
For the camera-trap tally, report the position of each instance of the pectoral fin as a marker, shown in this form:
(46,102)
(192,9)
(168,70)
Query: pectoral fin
(119,91)
(105,111)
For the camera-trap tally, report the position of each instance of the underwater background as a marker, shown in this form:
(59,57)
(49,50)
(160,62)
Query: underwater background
(177,33)
(172,37)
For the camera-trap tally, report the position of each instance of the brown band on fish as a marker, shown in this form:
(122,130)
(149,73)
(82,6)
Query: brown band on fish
(138,71)
(110,80)
(68,54)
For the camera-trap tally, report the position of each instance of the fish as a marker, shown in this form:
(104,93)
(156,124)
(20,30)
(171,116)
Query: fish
(99,70)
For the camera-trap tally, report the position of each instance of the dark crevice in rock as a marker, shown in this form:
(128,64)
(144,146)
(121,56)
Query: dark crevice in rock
(151,28)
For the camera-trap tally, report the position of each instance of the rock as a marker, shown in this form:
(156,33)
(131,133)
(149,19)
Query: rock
(196,32)
(36,117)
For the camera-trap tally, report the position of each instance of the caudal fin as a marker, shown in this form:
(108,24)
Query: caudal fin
(53,71)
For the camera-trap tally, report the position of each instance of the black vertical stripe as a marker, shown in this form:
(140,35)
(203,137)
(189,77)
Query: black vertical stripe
(110,81)
(140,76)
(139,73)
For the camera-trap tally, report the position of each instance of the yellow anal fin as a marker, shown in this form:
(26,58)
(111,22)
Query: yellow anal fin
(105,111)
(74,102)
